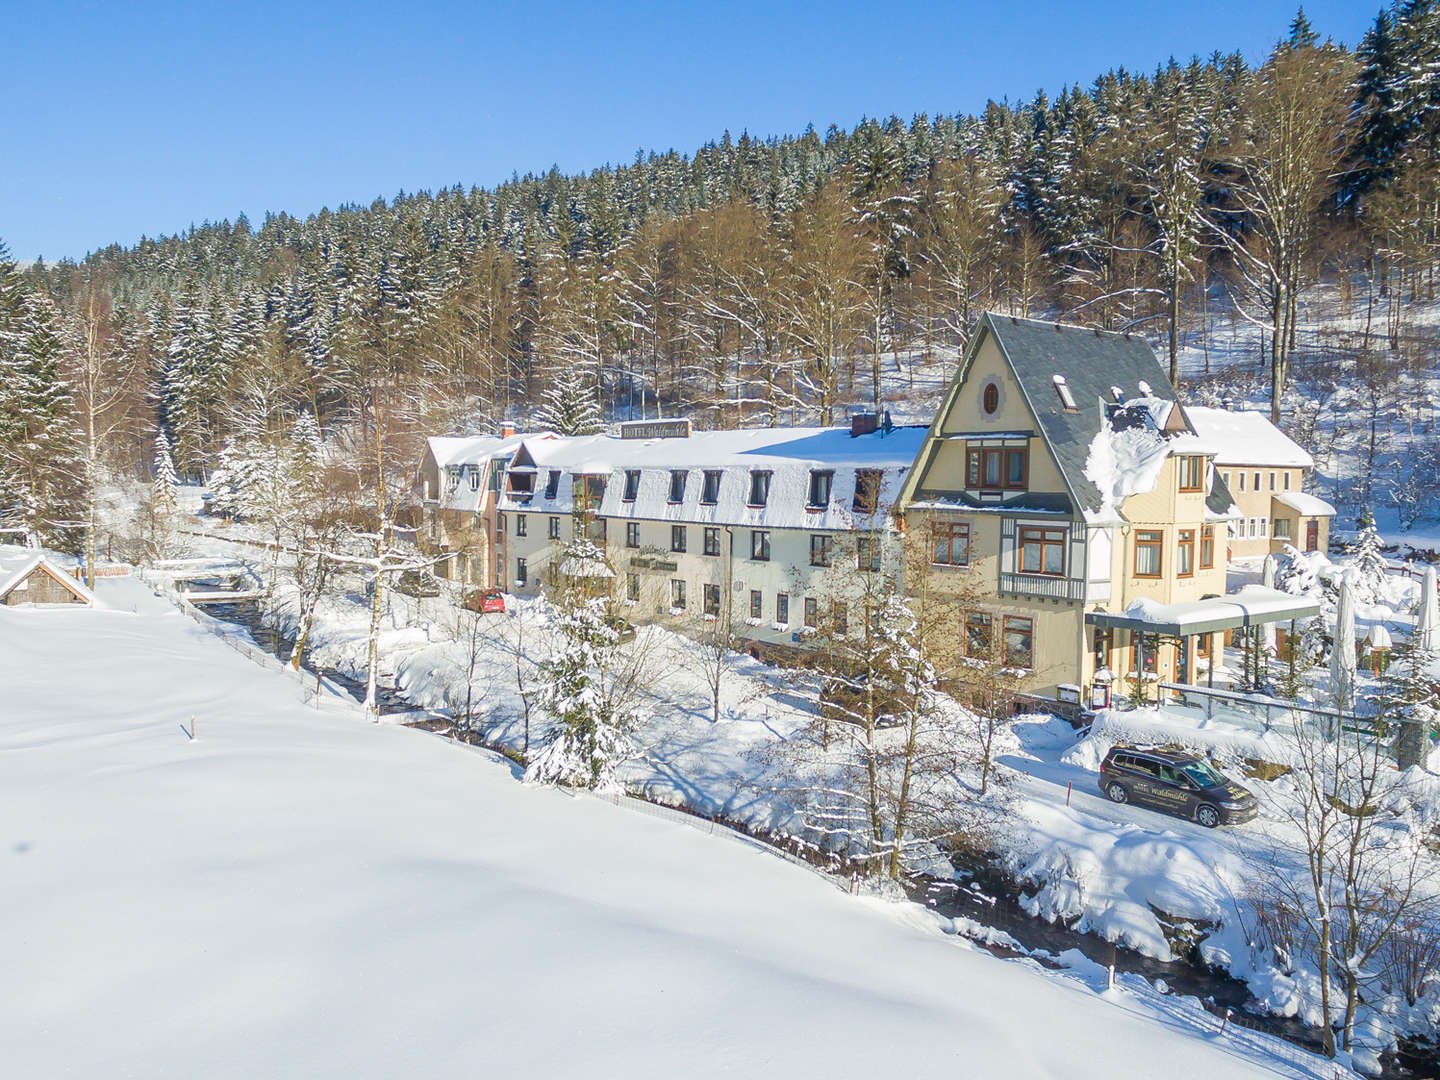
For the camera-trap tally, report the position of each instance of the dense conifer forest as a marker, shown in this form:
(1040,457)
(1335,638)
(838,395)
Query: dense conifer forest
(751,282)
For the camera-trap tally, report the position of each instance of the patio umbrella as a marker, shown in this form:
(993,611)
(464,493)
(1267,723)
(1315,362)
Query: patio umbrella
(1427,619)
(1342,657)
(1267,578)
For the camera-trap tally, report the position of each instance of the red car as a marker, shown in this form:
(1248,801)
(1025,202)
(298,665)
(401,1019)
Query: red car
(486,601)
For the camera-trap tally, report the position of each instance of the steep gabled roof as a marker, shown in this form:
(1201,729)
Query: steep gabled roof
(1093,364)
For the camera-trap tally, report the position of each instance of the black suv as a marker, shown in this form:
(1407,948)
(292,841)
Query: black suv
(1180,783)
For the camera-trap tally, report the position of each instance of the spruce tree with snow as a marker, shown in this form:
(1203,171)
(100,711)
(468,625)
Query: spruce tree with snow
(589,685)
(1369,569)
(166,485)
(588,738)
(42,470)
(568,405)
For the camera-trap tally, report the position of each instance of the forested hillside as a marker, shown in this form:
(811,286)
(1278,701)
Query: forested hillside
(753,281)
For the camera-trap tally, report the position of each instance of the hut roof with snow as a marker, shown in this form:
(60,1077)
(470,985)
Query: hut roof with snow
(32,578)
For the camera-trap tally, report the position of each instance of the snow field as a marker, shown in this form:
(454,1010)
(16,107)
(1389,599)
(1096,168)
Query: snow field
(299,893)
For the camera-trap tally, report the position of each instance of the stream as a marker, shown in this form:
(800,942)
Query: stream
(246,615)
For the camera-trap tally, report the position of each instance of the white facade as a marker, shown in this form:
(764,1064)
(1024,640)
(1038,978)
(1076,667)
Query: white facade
(759,520)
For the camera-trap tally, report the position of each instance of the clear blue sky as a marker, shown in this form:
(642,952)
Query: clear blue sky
(119,119)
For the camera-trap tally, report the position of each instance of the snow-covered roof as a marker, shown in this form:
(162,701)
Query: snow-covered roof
(788,454)
(1250,606)
(462,455)
(1246,438)
(1305,503)
(462,449)
(16,564)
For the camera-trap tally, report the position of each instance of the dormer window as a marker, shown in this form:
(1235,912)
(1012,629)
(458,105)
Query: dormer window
(677,485)
(867,490)
(710,492)
(632,485)
(552,484)
(521,483)
(821,480)
(759,487)
(474,479)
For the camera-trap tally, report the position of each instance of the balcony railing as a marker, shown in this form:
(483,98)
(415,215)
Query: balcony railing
(1053,588)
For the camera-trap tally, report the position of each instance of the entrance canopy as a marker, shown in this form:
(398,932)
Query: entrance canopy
(1253,605)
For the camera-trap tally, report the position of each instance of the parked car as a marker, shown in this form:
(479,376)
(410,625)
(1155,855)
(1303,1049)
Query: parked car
(417,583)
(1176,782)
(485,601)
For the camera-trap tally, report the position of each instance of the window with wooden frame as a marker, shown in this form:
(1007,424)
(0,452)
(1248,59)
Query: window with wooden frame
(867,490)
(997,469)
(712,600)
(522,574)
(712,540)
(1283,529)
(867,553)
(552,484)
(677,485)
(710,492)
(1149,553)
(759,487)
(821,481)
(1192,473)
(1144,653)
(978,637)
(990,398)
(820,550)
(757,603)
(677,594)
(632,587)
(1019,641)
(950,543)
(1042,551)
(632,534)
(522,525)
(812,613)
(678,535)
(1185,553)
(759,545)
(554,528)
(632,485)
(782,608)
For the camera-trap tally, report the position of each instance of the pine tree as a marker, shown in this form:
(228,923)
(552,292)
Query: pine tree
(568,405)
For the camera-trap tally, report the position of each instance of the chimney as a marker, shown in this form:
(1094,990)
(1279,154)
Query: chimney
(507,430)
(863,424)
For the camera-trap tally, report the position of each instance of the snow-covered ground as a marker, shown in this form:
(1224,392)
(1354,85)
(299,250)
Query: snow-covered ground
(297,892)
(1120,872)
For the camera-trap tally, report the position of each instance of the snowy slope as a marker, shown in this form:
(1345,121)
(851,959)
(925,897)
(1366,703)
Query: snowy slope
(299,893)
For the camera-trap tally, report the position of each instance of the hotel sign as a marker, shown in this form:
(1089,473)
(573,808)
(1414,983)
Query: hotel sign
(655,429)
(647,562)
